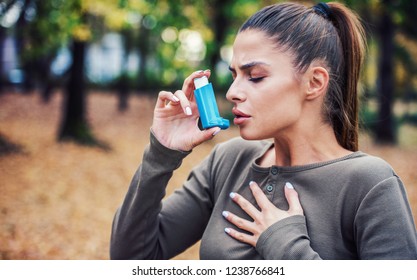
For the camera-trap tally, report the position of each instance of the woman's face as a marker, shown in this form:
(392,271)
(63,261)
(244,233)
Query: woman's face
(266,91)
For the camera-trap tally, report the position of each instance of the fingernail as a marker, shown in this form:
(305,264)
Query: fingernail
(227,230)
(176,99)
(288,185)
(232,195)
(188,111)
(216,132)
(225,214)
(251,182)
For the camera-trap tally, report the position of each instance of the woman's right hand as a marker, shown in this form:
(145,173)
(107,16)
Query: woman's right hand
(175,117)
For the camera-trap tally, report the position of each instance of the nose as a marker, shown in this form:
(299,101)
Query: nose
(235,94)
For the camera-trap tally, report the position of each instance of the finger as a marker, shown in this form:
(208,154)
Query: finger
(291,195)
(206,135)
(202,136)
(188,85)
(239,222)
(245,205)
(185,103)
(259,195)
(165,96)
(242,237)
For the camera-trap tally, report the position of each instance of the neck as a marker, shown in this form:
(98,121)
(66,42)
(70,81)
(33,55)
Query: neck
(317,145)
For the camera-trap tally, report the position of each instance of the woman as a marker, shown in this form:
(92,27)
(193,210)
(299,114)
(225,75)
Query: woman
(310,194)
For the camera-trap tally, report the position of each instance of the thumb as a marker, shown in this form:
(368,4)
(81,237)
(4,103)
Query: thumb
(293,200)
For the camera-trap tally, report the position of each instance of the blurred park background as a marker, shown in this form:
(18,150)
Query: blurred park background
(78,82)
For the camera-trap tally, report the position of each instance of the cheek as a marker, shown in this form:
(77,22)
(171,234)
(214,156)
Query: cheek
(280,112)
(279,100)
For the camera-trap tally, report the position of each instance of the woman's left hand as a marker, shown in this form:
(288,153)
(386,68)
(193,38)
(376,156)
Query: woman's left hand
(264,218)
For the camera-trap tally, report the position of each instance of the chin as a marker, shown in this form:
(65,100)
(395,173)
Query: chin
(251,135)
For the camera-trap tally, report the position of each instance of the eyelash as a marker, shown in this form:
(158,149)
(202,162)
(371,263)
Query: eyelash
(256,80)
(253,80)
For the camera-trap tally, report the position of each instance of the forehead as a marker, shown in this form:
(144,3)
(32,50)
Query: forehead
(253,45)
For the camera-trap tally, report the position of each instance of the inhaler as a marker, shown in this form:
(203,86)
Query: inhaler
(207,106)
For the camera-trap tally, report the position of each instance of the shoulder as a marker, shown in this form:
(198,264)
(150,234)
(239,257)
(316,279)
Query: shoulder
(372,167)
(365,174)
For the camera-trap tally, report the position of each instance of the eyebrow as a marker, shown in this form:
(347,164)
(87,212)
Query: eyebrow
(249,65)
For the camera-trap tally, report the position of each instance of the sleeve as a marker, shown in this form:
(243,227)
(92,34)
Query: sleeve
(144,227)
(287,240)
(384,224)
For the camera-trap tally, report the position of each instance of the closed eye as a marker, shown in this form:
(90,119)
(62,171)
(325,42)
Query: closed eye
(256,80)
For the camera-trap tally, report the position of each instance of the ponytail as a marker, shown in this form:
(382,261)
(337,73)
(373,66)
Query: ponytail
(352,37)
(331,33)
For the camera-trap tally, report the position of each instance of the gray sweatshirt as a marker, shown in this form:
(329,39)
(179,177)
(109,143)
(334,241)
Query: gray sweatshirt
(355,207)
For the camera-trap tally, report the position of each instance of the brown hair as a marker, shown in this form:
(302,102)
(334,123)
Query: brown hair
(333,35)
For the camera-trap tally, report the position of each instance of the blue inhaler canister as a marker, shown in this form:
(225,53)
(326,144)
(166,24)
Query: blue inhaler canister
(207,106)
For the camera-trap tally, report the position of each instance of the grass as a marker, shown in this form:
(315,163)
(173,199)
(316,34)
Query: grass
(57,199)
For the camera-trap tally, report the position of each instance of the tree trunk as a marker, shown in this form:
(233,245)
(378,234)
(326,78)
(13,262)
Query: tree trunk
(123,83)
(2,38)
(385,128)
(74,124)
(123,92)
(221,22)
(26,65)
(143,45)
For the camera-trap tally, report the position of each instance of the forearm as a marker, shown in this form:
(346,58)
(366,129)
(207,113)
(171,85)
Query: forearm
(135,226)
(287,240)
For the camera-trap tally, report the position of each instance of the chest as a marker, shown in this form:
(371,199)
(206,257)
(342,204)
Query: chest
(329,219)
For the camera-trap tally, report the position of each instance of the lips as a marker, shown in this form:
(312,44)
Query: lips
(240,117)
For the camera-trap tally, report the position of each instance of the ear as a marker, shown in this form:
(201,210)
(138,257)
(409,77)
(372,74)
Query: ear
(318,80)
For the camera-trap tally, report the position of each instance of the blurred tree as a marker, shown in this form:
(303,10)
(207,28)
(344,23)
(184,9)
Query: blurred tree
(388,21)
(45,35)
(386,31)
(128,29)
(21,6)
(93,17)
(2,39)
(219,20)
(396,17)
(29,35)
(74,124)
(123,81)
(27,65)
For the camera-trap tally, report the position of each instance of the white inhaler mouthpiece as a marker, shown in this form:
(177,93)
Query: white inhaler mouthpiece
(207,106)
(200,82)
